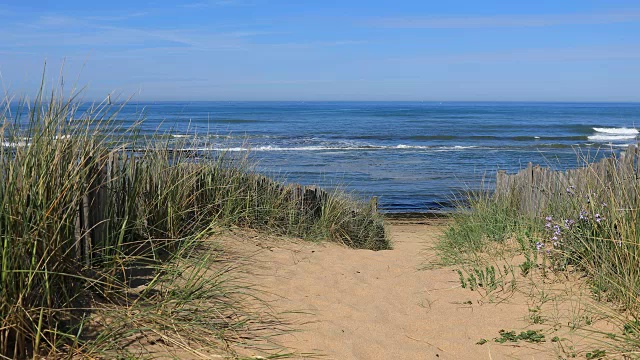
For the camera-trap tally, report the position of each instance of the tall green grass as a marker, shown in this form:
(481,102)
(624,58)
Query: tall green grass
(155,202)
(593,228)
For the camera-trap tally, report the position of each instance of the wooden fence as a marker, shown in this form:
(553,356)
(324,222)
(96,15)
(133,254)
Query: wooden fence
(533,187)
(113,201)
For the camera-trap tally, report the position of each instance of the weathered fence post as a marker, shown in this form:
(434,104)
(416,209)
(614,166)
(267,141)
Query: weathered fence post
(533,187)
(373,204)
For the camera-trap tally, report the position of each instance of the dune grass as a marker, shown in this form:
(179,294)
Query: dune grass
(57,280)
(593,230)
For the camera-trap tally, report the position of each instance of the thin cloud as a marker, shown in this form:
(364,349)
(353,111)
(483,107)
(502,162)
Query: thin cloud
(62,31)
(504,21)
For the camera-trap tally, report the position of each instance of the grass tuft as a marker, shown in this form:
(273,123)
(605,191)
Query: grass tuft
(89,208)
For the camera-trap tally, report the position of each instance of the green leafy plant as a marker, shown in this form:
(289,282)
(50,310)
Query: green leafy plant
(532,336)
(488,278)
(596,354)
(528,264)
(535,316)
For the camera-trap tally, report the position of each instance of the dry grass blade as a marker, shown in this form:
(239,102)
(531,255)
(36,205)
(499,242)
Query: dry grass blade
(85,202)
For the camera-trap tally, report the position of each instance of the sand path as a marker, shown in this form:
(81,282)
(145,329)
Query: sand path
(360,304)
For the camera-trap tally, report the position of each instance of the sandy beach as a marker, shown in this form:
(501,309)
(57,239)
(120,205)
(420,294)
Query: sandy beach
(360,304)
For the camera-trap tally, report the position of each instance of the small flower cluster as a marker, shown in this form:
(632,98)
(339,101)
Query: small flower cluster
(598,218)
(555,234)
(584,216)
(568,223)
(559,232)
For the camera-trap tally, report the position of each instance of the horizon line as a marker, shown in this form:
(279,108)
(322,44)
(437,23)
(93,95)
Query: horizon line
(390,101)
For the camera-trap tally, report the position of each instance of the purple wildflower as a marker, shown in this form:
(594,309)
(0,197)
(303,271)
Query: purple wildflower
(556,230)
(539,245)
(584,215)
(568,223)
(548,224)
(598,218)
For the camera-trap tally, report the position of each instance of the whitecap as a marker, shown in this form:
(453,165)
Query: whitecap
(403,146)
(611,137)
(617,131)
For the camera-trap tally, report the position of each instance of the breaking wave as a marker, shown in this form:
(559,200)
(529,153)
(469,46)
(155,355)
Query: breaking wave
(617,131)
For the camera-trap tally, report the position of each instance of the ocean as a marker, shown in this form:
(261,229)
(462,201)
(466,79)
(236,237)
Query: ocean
(415,156)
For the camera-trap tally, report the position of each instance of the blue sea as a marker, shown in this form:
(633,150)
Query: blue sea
(415,156)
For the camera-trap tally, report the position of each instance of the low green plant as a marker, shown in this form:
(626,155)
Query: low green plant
(596,354)
(488,278)
(535,315)
(632,328)
(463,281)
(531,262)
(532,336)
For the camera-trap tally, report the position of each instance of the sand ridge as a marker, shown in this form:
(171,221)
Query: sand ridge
(361,304)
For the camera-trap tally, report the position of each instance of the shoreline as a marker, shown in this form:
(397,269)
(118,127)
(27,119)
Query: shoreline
(431,215)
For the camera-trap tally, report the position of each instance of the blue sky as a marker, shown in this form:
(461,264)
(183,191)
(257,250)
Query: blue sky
(327,50)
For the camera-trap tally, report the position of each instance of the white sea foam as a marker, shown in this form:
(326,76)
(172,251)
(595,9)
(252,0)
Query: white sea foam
(611,137)
(403,146)
(329,148)
(621,145)
(20,142)
(453,148)
(15,144)
(617,131)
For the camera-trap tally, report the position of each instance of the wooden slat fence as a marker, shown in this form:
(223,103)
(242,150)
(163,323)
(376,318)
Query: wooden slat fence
(533,187)
(110,202)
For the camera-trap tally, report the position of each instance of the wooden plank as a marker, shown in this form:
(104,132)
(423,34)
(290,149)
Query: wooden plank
(502,180)
(78,234)
(86,230)
(373,205)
